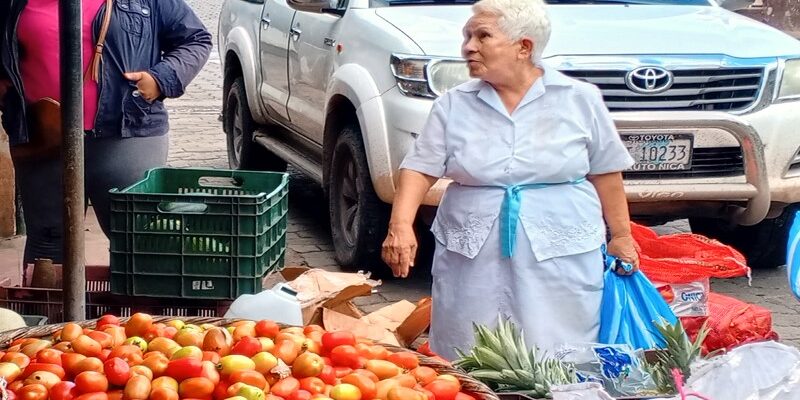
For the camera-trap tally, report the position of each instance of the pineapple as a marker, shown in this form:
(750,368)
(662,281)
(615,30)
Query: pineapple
(502,360)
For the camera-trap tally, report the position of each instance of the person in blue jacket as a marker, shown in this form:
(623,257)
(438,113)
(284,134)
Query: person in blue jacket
(152,51)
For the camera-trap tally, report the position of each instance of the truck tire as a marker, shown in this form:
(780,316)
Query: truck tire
(359,219)
(763,244)
(243,152)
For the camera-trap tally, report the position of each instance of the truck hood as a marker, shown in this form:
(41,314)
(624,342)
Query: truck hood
(610,30)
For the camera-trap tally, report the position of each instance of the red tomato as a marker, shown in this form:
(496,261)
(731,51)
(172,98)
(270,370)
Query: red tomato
(34,391)
(221,390)
(184,368)
(93,396)
(115,394)
(117,371)
(300,395)
(328,375)
(197,388)
(443,389)
(369,374)
(130,353)
(64,390)
(341,372)
(252,378)
(346,356)
(285,387)
(267,328)
(312,385)
(404,359)
(106,321)
(463,396)
(90,382)
(164,394)
(49,356)
(247,346)
(331,340)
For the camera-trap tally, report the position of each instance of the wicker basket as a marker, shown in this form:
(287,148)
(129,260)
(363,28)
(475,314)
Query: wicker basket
(469,385)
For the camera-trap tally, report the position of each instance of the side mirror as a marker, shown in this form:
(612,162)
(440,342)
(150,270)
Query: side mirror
(317,6)
(734,5)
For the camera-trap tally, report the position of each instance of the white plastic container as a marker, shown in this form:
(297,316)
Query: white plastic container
(279,304)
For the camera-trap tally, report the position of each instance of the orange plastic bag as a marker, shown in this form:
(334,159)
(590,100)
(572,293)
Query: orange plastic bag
(731,322)
(686,257)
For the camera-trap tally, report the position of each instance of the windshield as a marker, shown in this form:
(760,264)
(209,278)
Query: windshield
(637,2)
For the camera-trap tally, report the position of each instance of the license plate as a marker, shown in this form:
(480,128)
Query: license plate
(659,152)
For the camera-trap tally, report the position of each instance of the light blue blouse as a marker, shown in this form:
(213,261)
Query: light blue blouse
(561,131)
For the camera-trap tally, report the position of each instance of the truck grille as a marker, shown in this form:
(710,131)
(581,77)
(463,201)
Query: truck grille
(706,163)
(722,89)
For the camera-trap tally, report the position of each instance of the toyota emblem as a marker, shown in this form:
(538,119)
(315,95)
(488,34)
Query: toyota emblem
(649,80)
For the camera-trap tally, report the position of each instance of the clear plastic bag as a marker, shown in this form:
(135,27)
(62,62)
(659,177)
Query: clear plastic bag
(617,367)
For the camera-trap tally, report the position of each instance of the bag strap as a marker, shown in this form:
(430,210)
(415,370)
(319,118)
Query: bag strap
(93,72)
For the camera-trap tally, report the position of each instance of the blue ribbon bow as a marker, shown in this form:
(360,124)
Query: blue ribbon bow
(509,212)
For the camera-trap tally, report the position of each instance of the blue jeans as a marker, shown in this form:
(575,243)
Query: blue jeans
(109,163)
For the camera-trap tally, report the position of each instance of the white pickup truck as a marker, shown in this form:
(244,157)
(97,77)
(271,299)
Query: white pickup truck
(707,101)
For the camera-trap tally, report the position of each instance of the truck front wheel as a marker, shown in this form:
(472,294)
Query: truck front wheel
(763,244)
(243,151)
(359,219)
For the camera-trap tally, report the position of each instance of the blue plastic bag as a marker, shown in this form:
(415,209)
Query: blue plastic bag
(631,308)
(793,256)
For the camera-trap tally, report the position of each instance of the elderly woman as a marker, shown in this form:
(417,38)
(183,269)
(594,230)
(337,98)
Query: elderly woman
(536,167)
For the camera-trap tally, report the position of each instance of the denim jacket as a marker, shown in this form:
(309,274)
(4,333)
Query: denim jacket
(162,37)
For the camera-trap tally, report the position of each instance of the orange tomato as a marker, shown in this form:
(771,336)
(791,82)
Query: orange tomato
(463,396)
(91,381)
(117,371)
(71,331)
(424,375)
(252,378)
(157,363)
(35,391)
(328,375)
(165,382)
(287,350)
(40,366)
(163,393)
(404,393)
(307,364)
(49,356)
(137,388)
(404,359)
(48,379)
(132,354)
(383,388)
(406,380)
(312,385)
(87,346)
(66,347)
(138,324)
(285,387)
(115,394)
(198,388)
(369,374)
(117,334)
(18,358)
(142,370)
(209,371)
(64,390)
(211,356)
(89,364)
(364,384)
(450,378)
(105,340)
(70,362)
(383,369)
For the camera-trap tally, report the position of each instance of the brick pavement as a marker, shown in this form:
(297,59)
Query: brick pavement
(197,140)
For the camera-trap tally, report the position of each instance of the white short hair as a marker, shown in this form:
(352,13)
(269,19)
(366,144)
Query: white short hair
(520,18)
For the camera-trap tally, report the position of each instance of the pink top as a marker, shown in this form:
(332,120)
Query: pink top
(39,54)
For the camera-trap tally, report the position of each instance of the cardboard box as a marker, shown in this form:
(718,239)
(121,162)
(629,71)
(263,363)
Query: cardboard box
(326,300)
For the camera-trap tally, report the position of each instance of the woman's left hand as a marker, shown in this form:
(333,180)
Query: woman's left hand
(145,84)
(624,248)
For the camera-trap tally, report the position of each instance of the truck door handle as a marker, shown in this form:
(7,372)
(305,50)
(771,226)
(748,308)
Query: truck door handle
(295,33)
(265,21)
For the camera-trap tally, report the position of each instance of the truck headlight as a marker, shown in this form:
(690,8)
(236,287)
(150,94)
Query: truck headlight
(790,82)
(427,76)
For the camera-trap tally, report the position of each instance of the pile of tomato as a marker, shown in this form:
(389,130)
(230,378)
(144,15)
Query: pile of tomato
(247,360)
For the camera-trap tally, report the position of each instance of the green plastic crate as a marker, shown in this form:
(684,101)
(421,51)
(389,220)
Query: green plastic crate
(198,233)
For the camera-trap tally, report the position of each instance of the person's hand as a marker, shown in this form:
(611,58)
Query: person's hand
(399,249)
(624,248)
(146,84)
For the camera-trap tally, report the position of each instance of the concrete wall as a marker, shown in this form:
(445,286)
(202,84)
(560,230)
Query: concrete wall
(7,219)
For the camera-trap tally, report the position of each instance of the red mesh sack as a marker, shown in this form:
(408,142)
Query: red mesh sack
(686,257)
(731,322)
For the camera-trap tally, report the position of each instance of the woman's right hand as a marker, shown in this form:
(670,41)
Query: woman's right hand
(399,249)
